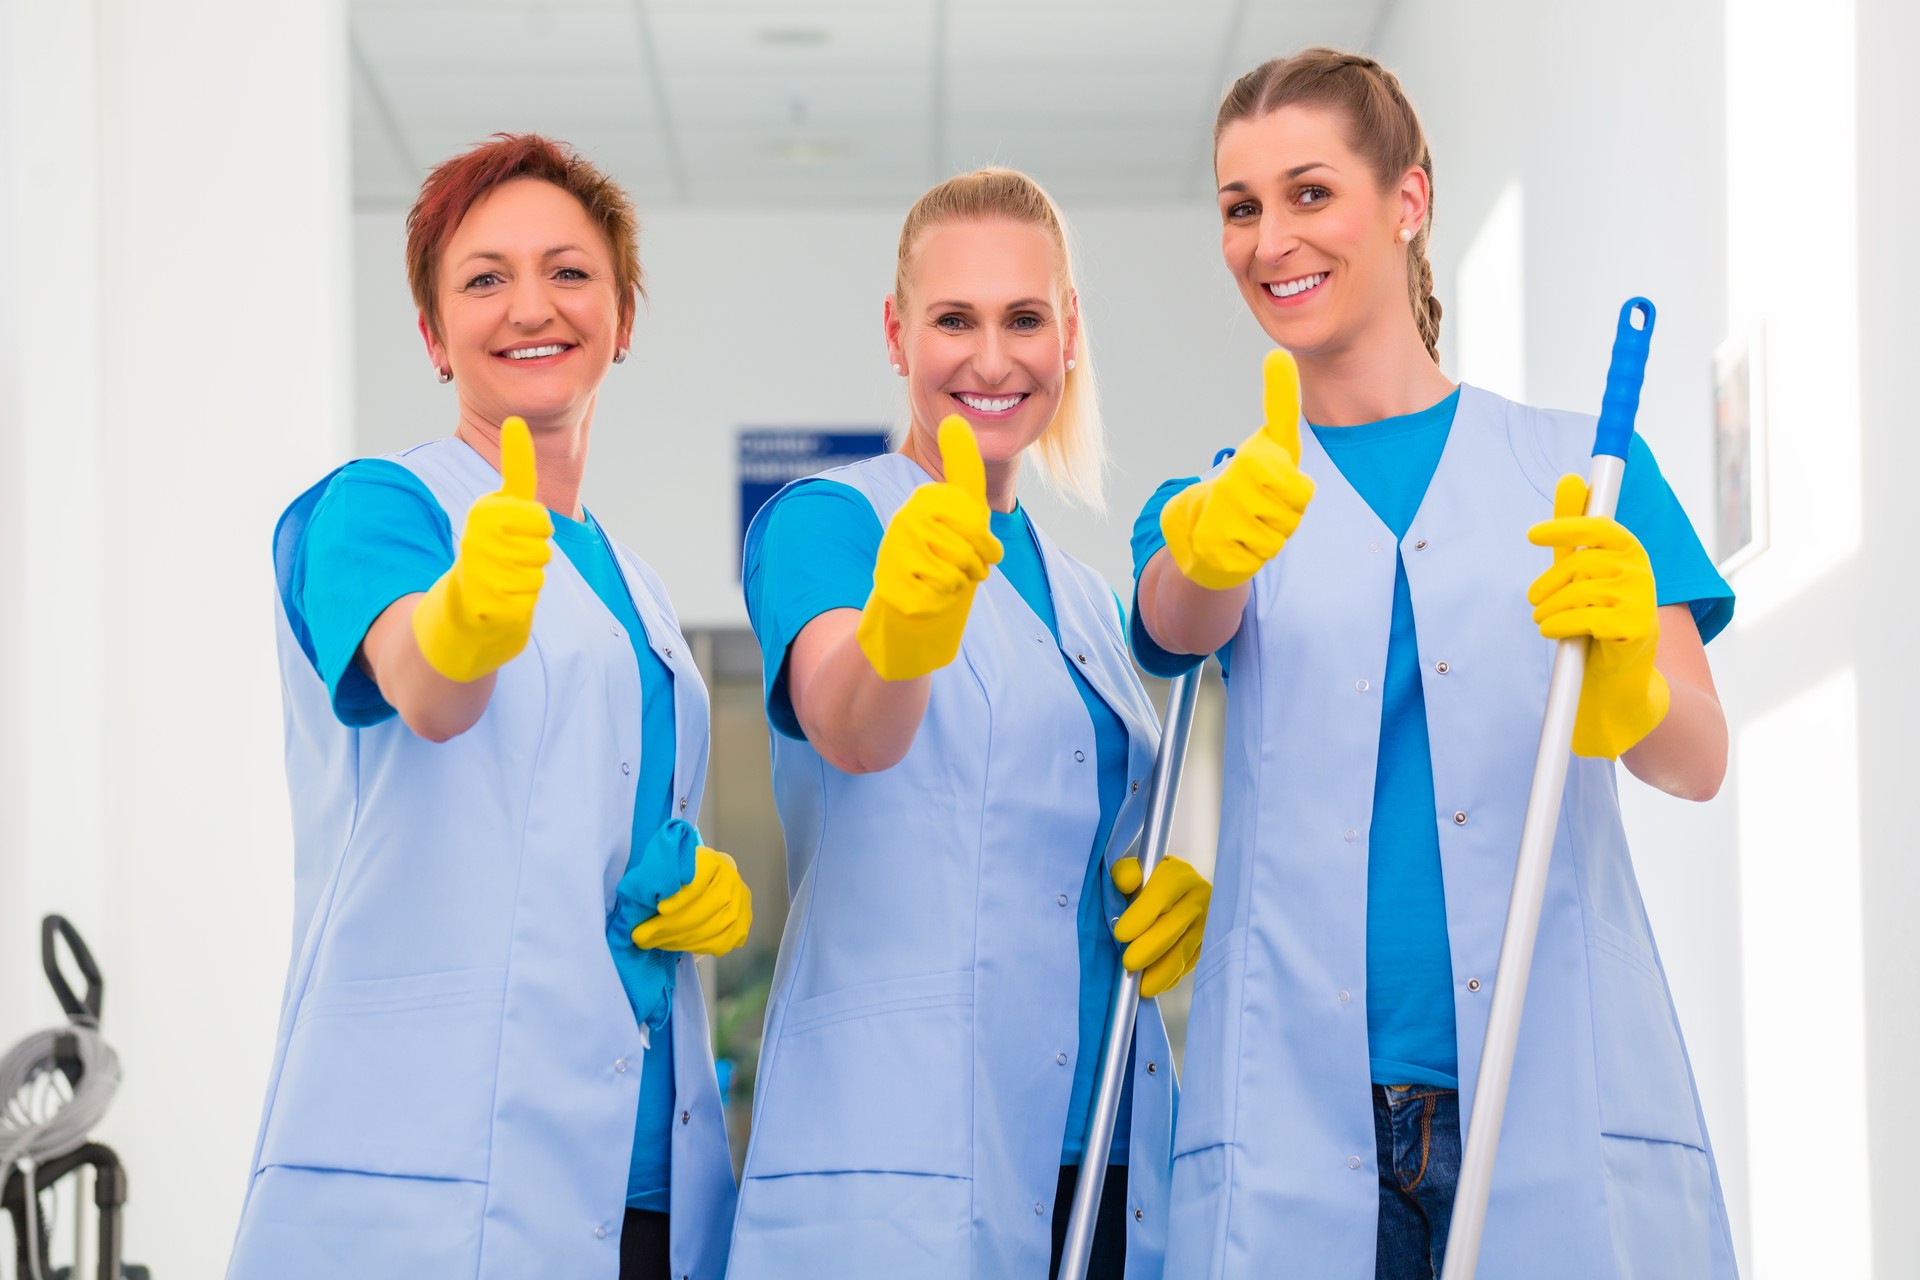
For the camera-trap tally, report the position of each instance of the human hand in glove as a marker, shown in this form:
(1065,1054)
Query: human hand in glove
(1601,585)
(938,548)
(479,615)
(1163,924)
(1223,529)
(709,915)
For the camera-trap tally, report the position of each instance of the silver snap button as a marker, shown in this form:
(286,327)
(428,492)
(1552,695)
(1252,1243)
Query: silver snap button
(1473,984)
(1373,547)
(1353,1162)
(1153,1068)
(1459,818)
(1136,786)
(1038,1207)
(1082,657)
(669,651)
(1062,899)
(1442,667)
(599,1233)
(1139,1215)
(1350,835)
(1420,545)
(1345,997)
(1080,756)
(686,1117)
(620,1065)
(625,767)
(1362,685)
(1060,1058)
(615,630)
(683,804)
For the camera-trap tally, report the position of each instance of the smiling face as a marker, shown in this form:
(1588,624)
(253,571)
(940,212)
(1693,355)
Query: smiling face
(984,331)
(1309,233)
(528,306)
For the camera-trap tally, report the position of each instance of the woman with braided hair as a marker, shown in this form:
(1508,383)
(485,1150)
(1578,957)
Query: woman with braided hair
(1371,567)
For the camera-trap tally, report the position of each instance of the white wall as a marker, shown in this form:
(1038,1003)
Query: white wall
(173,360)
(772,318)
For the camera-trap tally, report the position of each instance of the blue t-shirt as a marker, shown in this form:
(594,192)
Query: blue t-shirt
(378,534)
(816,552)
(1410,1025)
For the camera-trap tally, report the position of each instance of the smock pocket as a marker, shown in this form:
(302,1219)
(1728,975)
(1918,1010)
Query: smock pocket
(391,1076)
(876,1077)
(1640,1066)
(1209,1081)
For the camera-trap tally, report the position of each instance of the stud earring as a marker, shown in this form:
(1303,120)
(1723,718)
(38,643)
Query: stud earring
(1070,363)
(446,375)
(898,369)
(620,357)
(1406,235)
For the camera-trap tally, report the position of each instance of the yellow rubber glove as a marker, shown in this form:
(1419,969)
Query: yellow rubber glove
(709,915)
(1162,926)
(938,547)
(1601,585)
(479,615)
(1223,529)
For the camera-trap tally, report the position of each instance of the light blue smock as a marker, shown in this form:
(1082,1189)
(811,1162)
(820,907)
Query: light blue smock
(1604,1168)
(922,1032)
(457,1070)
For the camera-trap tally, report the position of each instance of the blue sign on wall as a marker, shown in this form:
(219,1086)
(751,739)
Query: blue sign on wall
(774,456)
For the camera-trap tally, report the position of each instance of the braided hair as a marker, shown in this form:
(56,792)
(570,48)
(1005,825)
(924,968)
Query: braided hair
(1383,128)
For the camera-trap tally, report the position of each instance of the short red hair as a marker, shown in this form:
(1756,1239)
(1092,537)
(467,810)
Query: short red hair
(456,185)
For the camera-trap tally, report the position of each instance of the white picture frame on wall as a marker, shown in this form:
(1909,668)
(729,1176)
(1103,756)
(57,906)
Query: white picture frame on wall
(1740,450)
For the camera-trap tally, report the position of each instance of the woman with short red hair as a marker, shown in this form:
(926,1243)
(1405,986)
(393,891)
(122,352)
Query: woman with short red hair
(493,1059)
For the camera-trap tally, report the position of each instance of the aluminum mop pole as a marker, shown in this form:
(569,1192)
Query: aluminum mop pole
(1622,402)
(1182,694)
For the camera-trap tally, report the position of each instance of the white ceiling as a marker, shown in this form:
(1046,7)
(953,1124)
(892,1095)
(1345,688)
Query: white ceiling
(822,102)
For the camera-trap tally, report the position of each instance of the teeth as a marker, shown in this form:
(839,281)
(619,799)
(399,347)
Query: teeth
(534,353)
(998,404)
(1292,287)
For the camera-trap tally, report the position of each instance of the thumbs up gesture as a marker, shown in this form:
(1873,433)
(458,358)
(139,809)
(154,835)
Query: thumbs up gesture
(937,549)
(1222,530)
(480,614)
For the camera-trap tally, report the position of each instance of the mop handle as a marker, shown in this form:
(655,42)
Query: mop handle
(1621,403)
(1182,693)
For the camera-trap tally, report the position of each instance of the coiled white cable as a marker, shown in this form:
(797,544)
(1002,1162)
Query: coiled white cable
(40,1118)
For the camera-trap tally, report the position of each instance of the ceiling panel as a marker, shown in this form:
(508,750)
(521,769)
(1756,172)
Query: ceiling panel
(846,98)
(1190,33)
(488,39)
(823,101)
(618,92)
(798,36)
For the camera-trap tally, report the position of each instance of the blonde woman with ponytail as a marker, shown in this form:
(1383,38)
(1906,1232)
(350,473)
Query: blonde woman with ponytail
(1372,567)
(960,746)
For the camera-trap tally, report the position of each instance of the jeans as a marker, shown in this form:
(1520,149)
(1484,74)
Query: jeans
(1108,1259)
(643,1247)
(1416,1134)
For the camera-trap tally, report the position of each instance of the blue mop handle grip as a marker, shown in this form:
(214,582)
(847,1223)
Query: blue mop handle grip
(1625,373)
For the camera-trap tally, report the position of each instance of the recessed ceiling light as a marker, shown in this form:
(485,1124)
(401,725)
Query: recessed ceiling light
(809,150)
(794,37)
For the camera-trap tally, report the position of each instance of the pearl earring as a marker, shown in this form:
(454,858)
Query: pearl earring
(620,356)
(898,369)
(1070,363)
(1406,235)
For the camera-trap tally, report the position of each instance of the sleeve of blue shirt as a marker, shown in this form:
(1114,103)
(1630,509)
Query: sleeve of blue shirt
(1683,572)
(814,552)
(376,534)
(1147,539)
